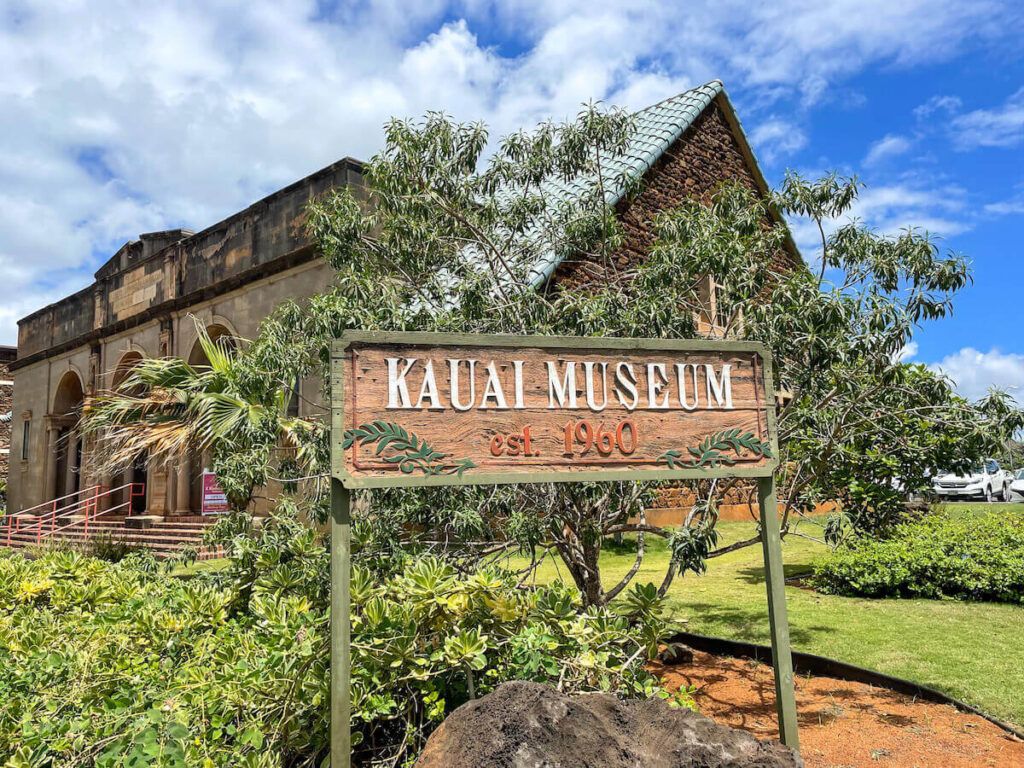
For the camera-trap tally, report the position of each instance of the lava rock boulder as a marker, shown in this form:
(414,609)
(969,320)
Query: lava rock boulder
(676,654)
(529,725)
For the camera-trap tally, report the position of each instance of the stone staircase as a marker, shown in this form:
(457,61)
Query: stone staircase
(78,524)
(164,536)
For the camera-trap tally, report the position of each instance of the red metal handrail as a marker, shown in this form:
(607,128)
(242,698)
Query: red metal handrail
(13,520)
(137,490)
(87,506)
(52,503)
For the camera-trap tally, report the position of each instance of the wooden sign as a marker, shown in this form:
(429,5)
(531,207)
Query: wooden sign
(433,409)
(418,409)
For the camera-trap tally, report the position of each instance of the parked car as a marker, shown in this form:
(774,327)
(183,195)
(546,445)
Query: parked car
(988,481)
(1017,486)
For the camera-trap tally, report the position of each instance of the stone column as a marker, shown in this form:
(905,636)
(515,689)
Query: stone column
(85,473)
(157,480)
(171,503)
(103,503)
(52,433)
(181,501)
(70,465)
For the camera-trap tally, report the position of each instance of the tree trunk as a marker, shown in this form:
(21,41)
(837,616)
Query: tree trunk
(593,592)
(580,551)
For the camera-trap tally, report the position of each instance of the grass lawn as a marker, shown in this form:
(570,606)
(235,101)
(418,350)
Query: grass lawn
(200,566)
(973,651)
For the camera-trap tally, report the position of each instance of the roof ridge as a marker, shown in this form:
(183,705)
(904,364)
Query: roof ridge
(656,128)
(715,85)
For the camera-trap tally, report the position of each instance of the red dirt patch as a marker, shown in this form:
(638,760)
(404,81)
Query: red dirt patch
(845,724)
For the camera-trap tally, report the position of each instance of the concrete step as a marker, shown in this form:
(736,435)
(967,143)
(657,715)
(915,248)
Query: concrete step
(182,530)
(198,519)
(157,545)
(161,551)
(163,538)
(190,530)
(114,527)
(176,546)
(132,538)
(164,534)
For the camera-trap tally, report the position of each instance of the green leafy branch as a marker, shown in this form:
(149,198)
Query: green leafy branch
(410,451)
(719,448)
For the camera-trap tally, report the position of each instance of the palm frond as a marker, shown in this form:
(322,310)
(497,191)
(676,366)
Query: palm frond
(165,407)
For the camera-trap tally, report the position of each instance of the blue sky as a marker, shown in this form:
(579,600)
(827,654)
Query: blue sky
(119,117)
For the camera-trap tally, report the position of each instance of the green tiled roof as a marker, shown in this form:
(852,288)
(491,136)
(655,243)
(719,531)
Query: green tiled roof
(657,128)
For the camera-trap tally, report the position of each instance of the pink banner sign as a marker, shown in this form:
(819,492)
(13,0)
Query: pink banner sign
(215,501)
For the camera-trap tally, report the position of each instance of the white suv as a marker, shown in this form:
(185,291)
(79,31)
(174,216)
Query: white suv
(1017,486)
(988,482)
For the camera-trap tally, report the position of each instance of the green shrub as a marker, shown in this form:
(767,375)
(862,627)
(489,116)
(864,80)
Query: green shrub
(122,665)
(106,546)
(965,556)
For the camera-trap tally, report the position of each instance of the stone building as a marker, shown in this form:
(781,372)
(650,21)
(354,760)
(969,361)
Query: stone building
(233,273)
(7,356)
(145,302)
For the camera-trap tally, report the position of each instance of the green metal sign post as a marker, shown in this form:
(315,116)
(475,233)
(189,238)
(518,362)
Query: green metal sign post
(778,621)
(422,409)
(341,626)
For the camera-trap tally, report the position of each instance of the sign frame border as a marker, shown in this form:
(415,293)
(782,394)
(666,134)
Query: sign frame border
(342,485)
(339,470)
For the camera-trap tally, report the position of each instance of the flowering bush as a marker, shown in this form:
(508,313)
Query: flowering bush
(123,665)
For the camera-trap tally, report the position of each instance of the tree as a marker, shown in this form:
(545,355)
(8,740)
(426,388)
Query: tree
(860,427)
(456,242)
(165,407)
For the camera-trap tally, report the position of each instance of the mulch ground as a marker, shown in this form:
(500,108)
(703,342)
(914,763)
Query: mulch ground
(846,724)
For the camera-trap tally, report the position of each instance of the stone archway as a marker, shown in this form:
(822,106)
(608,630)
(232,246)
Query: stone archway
(138,472)
(124,366)
(65,459)
(219,334)
(188,494)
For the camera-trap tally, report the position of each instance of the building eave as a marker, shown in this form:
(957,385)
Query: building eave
(723,102)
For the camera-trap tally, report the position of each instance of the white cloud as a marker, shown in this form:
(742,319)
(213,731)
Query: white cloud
(942,210)
(887,147)
(118,117)
(909,352)
(975,372)
(999,127)
(945,104)
(820,41)
(777,138)
(1009,207)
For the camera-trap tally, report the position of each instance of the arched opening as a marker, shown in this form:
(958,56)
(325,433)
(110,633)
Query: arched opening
(67,453)
(220,335)
(138,472)
(125,365)
(192,467)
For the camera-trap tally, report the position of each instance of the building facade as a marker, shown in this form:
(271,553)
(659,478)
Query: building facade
(145,302)
(7,356)
(230,276)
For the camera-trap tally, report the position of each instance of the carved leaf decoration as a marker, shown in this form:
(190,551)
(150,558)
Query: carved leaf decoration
(724,447)
(409,451)
(673,458)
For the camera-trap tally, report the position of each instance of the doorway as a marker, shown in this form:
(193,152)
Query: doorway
(67,448)
(139,474)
